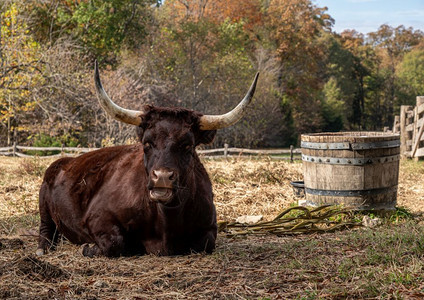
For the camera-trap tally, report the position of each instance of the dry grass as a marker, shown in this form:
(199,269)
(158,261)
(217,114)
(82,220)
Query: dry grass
(411,185)
(365,263)
(252,187)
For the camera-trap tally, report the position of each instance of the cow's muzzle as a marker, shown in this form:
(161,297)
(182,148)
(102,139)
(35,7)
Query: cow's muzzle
(161,187)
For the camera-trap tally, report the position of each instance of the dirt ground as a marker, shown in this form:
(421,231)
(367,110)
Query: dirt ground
(386,262)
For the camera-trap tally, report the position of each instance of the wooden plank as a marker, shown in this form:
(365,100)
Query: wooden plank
(70,149)
(208,151)
(6,153)
(250,151)
(46,156)
(219,157)
(420,122)
(396,127)
(263,151)
(5,149)
(420,108)
(285,158)
(409,127)
(415,131)
(78,150)
(417,141)
(420,152)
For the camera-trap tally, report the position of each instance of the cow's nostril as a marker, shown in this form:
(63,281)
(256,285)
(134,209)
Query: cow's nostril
(163,178)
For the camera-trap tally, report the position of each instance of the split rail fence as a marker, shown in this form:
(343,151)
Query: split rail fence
(281,154)
(410,125)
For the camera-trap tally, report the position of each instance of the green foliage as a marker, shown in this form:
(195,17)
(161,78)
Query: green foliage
(400,214)
(45,140)
(100,27)
(332,107)
(231,47)
(411,76)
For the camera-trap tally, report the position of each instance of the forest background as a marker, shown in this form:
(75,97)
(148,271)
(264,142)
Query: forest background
(201,55)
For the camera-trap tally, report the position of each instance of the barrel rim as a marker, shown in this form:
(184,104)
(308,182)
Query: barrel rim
(353,134)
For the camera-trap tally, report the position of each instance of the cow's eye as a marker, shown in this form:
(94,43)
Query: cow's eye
(186,147)
(147,146)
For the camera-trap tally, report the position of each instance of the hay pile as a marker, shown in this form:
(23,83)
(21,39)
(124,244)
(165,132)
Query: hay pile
(241,187)
(411,186)
(252,187)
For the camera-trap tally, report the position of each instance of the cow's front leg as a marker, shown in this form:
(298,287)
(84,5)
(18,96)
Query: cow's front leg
(109,241)
(90,251)
(204,243)
(156,246)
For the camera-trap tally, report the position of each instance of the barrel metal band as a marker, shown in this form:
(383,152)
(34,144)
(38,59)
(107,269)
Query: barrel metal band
(351,193)
(350,161)
(350,146)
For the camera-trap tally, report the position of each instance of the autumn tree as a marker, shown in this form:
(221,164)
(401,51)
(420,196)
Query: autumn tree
(391,45)
(202,55)
(20,70)
(100,28)
(347,67)
(296,28)
(410,73)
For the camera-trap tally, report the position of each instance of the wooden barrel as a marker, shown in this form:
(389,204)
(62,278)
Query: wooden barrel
(355,169)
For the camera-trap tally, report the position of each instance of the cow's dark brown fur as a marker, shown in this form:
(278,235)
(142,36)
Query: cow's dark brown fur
(104,197)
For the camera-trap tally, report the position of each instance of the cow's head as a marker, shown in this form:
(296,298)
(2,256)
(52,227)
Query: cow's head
(169,137)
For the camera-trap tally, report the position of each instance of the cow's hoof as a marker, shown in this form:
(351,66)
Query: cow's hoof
(86,250)
(40,252)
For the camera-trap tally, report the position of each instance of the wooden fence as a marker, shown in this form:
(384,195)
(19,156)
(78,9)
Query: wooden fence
(410,125)
(284,154)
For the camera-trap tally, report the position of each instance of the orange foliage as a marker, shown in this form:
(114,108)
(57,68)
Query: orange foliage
(296,25)
(248,11)
(217,11)
(352,39)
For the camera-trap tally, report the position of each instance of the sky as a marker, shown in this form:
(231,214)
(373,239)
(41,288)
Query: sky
(367,15)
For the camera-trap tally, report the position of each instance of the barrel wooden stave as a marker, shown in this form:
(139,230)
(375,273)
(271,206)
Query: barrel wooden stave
(380,178)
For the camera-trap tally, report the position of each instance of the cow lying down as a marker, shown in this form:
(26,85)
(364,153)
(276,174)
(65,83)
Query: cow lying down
(152,197)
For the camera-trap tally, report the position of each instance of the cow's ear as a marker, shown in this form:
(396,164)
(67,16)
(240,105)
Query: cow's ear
(140,132)
(205,137)
(145,121)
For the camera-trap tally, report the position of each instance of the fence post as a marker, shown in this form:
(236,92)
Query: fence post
(403,133)
(418,133)
(15,141)
(396,124)
(225,150)
(417,141)
(291,153)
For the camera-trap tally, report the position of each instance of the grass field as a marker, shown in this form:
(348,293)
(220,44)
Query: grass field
(386,262)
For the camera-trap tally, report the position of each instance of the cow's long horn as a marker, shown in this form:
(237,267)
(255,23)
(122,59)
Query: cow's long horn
(121,114)
(213,122)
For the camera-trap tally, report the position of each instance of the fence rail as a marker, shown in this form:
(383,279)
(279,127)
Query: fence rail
(290,154)
(410,125)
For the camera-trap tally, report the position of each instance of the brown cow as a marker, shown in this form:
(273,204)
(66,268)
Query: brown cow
(152,197)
